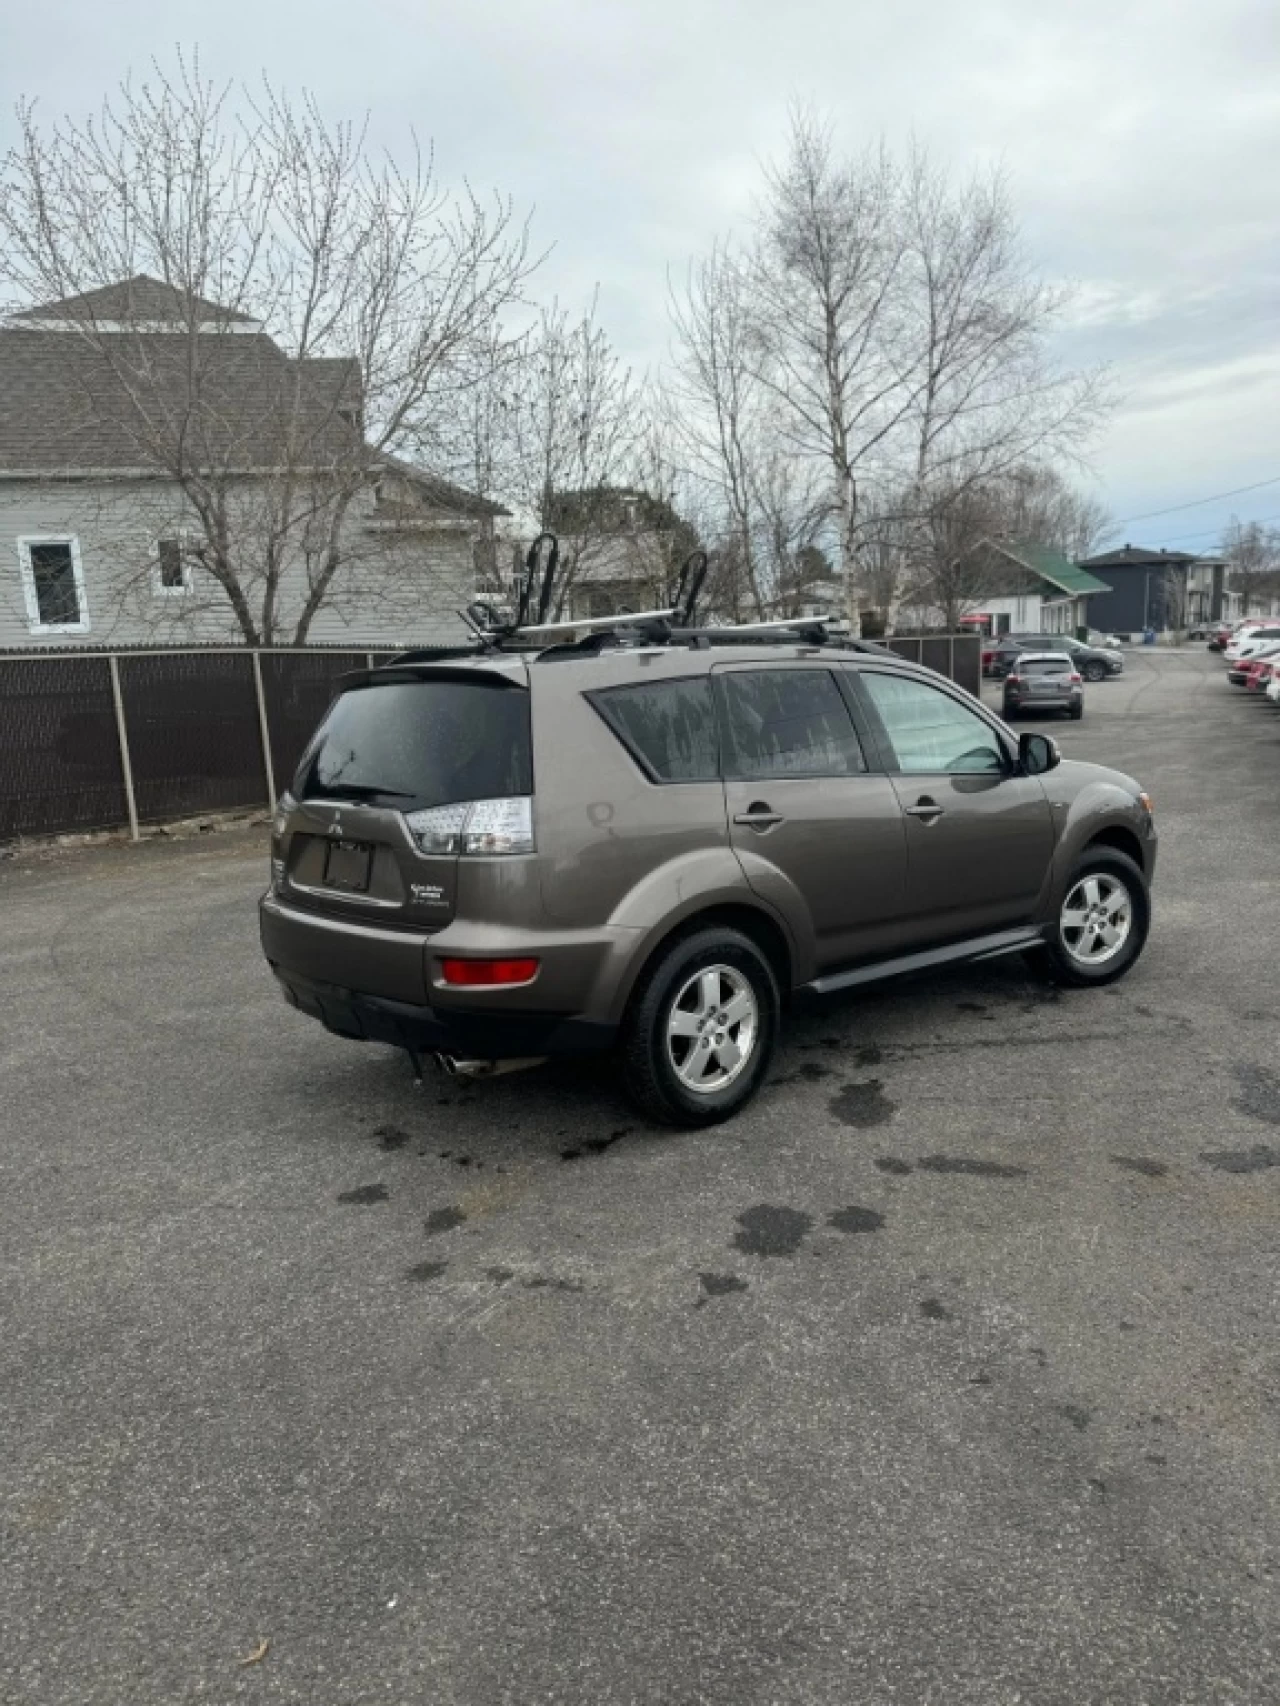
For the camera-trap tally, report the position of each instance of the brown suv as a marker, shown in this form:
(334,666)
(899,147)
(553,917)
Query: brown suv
(650,839)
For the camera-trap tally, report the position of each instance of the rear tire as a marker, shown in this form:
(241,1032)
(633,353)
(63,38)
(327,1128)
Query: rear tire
(1075,713)
(701,1029)
(1010,713)
(1105,893)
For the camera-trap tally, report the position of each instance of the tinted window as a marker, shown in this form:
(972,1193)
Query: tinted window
(1044,666)
(931,731)
(411,744)
(669,726)
(788,722)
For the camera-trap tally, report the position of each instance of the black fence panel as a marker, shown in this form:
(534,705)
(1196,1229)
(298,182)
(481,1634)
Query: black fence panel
(194,735)
(297,688)
(957,656)
(59,758)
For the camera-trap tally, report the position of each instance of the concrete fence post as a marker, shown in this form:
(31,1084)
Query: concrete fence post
(264,729)
(122,736)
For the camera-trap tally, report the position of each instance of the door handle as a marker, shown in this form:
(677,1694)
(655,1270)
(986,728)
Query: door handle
(758,816)
(926,809)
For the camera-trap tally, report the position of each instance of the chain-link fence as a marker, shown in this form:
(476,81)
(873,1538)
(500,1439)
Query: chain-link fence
(100,740)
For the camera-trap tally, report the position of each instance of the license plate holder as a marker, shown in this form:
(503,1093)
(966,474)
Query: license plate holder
(348,866)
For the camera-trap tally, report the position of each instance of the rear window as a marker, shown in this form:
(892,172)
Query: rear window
(1045,666)
(668,727)
(412,744)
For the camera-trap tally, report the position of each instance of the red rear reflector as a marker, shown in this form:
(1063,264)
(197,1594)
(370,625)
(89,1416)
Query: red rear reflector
(486,973)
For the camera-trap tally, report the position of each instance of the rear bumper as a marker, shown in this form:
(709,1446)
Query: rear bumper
(1044,701)
(471,1035)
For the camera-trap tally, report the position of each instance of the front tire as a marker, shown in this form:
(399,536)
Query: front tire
(1102,921)
(701,1029)
(1094,671)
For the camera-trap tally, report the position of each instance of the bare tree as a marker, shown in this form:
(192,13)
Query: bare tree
(322,308)
(827,344)
(985,398)
(719,407)
(1252,554)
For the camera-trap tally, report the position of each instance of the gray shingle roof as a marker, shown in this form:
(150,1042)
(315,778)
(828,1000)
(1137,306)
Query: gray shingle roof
(134,300)
(235,401)
(227,398)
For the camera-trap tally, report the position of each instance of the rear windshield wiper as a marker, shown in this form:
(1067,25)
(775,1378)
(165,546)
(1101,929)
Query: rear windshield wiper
(357,791)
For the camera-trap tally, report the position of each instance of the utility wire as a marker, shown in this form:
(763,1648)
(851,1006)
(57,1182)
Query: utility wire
(1195,504)
(1204,532)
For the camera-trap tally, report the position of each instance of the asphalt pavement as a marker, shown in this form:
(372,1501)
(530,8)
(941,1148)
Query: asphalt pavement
(948,1373)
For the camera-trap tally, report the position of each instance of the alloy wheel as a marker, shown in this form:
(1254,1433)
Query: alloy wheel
(1096,919)
(712,1028)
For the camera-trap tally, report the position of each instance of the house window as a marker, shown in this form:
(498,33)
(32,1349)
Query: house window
(54,585)
(173,566)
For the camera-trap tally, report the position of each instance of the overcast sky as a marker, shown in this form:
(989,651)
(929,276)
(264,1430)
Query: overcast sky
(1141,139)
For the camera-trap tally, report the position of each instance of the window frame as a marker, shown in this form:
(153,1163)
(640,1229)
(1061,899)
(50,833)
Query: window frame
(35,623)
(158,588)
(596,696)
(948,690)
(863,733)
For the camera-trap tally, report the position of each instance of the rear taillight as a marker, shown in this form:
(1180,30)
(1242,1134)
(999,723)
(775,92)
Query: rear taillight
(486,974)
(475,826)
(1075,680)
(1014,680)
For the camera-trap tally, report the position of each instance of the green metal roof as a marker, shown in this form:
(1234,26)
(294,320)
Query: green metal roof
(1053,567)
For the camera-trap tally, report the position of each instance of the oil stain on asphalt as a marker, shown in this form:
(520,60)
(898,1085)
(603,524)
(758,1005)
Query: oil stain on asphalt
(364,1194)
(443,1220)
(1259,1094)
(1141,1164)
(770,1231)
(719,1285)
(969,1167)
(854,1219)
(933,1309)
(862,1105)
(1255,1160)
(424,1271)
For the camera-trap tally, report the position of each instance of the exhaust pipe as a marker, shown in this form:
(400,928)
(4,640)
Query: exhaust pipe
(470,1070)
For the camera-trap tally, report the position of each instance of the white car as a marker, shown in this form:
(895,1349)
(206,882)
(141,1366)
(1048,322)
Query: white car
(1246,641)
(1264,648)
(1273,686)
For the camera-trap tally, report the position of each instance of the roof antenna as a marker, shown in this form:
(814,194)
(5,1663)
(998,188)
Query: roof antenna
(692,575)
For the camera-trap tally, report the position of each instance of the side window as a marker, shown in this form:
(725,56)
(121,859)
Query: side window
(931,731)
(668,726)
(54,585)
(788,722)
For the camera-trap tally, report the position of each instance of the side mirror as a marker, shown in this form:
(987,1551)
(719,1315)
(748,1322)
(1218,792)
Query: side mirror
(1038,753)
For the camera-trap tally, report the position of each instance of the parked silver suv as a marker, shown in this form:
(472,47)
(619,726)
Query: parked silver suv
(650,841)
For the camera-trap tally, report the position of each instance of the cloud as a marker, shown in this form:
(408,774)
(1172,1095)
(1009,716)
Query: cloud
(1139,139)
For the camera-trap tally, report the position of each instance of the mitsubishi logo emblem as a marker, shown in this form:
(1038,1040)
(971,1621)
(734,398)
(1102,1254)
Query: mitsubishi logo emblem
(335,828)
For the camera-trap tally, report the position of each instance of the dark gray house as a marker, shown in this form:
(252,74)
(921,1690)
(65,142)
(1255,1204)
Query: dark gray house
(1148,589)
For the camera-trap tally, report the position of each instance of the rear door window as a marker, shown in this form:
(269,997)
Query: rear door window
(410,744)
(787,722)
(668,727)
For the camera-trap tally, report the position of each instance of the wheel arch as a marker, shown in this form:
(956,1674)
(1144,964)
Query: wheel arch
(752,921)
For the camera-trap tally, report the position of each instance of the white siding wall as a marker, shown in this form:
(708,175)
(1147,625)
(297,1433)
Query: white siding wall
(396,589)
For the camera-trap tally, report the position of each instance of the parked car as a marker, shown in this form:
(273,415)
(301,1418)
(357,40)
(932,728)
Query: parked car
(651,846)
(1273,686)
(1248,638)
(1265,645)
(1095,663)
(1043,681)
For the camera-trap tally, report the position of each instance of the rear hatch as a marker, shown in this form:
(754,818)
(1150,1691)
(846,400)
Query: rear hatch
(373,829)
(1046,677)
